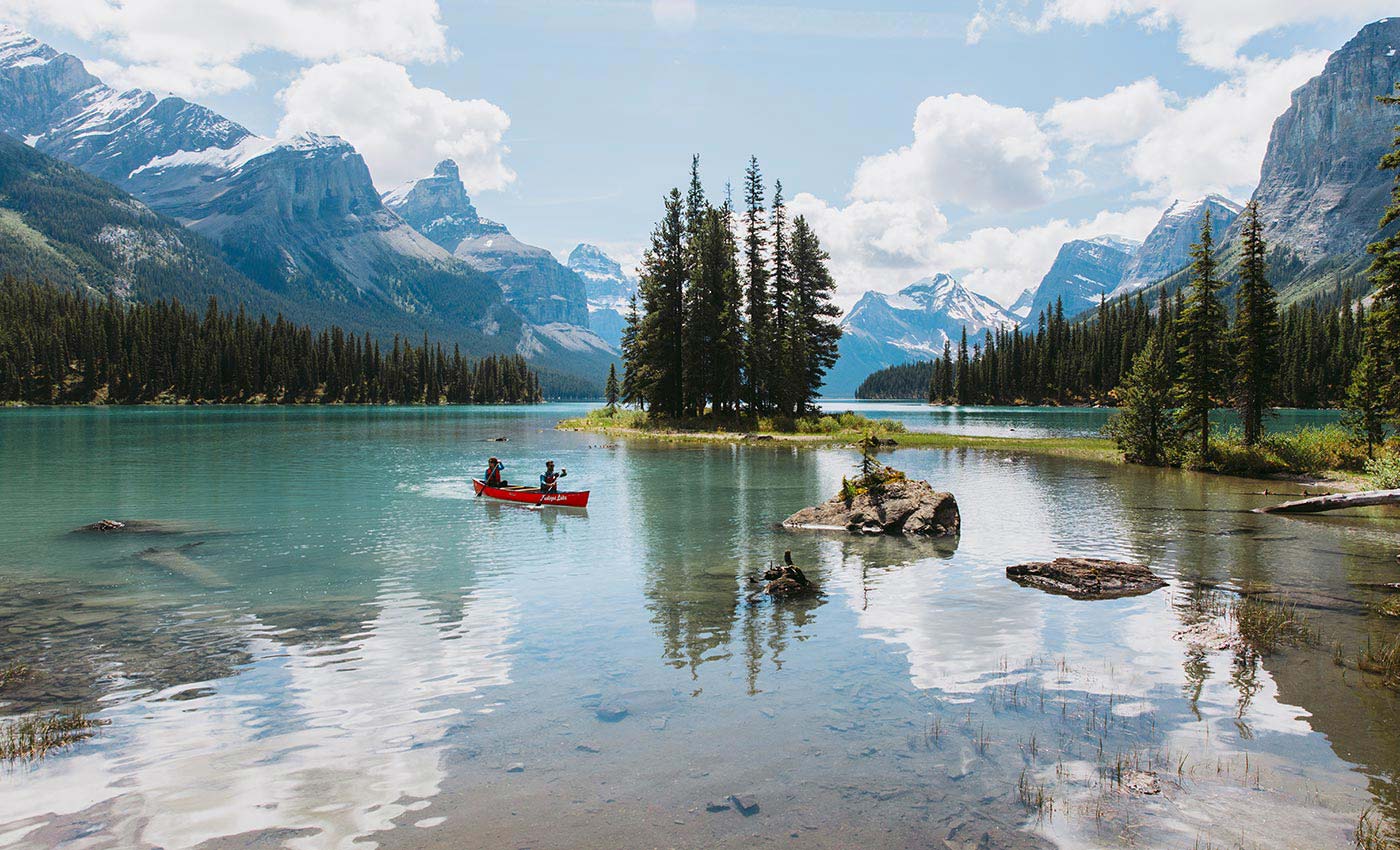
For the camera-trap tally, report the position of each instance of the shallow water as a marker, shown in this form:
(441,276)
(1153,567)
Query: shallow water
(331,643)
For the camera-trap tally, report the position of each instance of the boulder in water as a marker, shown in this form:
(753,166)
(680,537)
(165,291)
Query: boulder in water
(1086,578)
(896,506)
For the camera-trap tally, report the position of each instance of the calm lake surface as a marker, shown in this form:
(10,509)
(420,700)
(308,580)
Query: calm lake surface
(333,644)
(1000,421)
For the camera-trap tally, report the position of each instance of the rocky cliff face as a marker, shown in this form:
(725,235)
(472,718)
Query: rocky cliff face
(886,330)
(1084,271)
(535,283)
(1167,247)
(610,291)
(1320,193)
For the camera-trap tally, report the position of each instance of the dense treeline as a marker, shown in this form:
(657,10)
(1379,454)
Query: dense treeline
(58,346)
(718,334)
(1081,362)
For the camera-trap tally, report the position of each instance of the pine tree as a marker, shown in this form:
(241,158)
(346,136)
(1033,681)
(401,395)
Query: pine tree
(1384,272)
(783,365)
(1366,408)
(660,349)
(1143,428)
(611,390)
(945,389)
(1200,329)
(813,333)
(1255,337)
(758,348)
(631,358)
(964,387)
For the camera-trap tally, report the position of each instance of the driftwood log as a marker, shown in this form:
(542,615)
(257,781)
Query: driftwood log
(1318,504)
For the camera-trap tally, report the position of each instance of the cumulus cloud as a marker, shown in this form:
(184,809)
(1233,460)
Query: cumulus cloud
(400,129)
(196,48)
(1121,116)
(1001,262)
(966,151)
(1210,33)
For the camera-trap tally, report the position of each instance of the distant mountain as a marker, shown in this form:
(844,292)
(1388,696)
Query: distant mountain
(536,284)
(300,217)
(62,225)
(610,290)
(1167,247)
(885,330)
(1084,271)
(1320,193)
(1021,307)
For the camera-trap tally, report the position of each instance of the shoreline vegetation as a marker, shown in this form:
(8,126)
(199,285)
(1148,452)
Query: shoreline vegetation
(1307,456)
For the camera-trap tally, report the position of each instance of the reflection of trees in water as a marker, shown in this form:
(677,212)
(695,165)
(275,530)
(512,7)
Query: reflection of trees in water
(706,517)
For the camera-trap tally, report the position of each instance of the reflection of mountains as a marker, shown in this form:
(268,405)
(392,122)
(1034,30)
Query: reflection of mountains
(706,520)
(362,721)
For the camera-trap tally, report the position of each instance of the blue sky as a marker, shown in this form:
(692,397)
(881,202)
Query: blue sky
(573,118)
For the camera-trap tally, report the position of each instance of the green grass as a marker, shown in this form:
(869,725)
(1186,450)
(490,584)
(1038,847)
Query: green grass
(1305,451)
(842,429)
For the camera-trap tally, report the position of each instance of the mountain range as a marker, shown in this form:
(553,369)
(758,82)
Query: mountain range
(610,291)
(300,220)
(1320,194)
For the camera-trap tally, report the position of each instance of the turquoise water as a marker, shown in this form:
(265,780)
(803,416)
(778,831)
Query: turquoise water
(994,421)
(329,642)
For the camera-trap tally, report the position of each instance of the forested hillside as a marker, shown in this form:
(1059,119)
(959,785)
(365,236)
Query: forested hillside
(57,346)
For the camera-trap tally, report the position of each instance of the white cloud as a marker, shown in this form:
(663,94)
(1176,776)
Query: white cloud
(1119,117)
(673,14)
(1000,262)
(400,129)
(966,151)
(1210,33)
(196,48)
(1216,142)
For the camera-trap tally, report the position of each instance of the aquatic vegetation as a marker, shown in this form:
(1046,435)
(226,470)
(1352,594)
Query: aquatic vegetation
(1266,625)
(33,737)
(1372,833)
(1382,660)
(14,672)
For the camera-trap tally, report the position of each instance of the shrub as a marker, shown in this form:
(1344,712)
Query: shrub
(1384,471)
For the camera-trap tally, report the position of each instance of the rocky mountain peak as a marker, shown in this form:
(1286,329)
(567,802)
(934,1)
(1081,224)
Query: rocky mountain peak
(1167,247)
(1320,193)
(438,207)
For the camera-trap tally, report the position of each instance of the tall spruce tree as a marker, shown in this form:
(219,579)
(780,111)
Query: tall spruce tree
(660,345)
(759,344)
(784,379)
(729,341)
(1201,327)
(964,387)
(631,357)
(945,384)
(1255,336)
(1366,407)
(813,332)
(611,391)
(1384,272)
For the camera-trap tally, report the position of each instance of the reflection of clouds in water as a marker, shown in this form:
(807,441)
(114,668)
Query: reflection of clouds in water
(323,738)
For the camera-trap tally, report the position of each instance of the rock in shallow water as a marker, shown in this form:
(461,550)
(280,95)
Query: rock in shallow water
(902,506)
(1086,578)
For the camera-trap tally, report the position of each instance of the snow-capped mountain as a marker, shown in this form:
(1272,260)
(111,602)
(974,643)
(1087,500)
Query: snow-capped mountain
(610,290)
(1084,271)
(1167,247)
(886,330)
(299,217)
(536,284)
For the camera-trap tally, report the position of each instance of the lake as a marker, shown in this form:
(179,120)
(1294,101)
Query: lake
(328,642)
(1036,422)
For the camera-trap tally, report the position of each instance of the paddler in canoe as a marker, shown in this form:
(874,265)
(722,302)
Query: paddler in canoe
(549,479)
(495,473)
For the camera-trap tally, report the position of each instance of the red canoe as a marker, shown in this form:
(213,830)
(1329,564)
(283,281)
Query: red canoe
(532,495)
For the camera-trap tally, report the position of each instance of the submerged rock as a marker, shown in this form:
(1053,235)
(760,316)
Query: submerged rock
(899,506)
(135,526)
(783,582)
(1086,578)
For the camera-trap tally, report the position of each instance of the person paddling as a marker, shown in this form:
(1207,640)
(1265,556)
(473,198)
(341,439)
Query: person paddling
(494,473)
(549,479)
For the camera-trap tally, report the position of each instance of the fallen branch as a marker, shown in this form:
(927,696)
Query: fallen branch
(1337,502)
